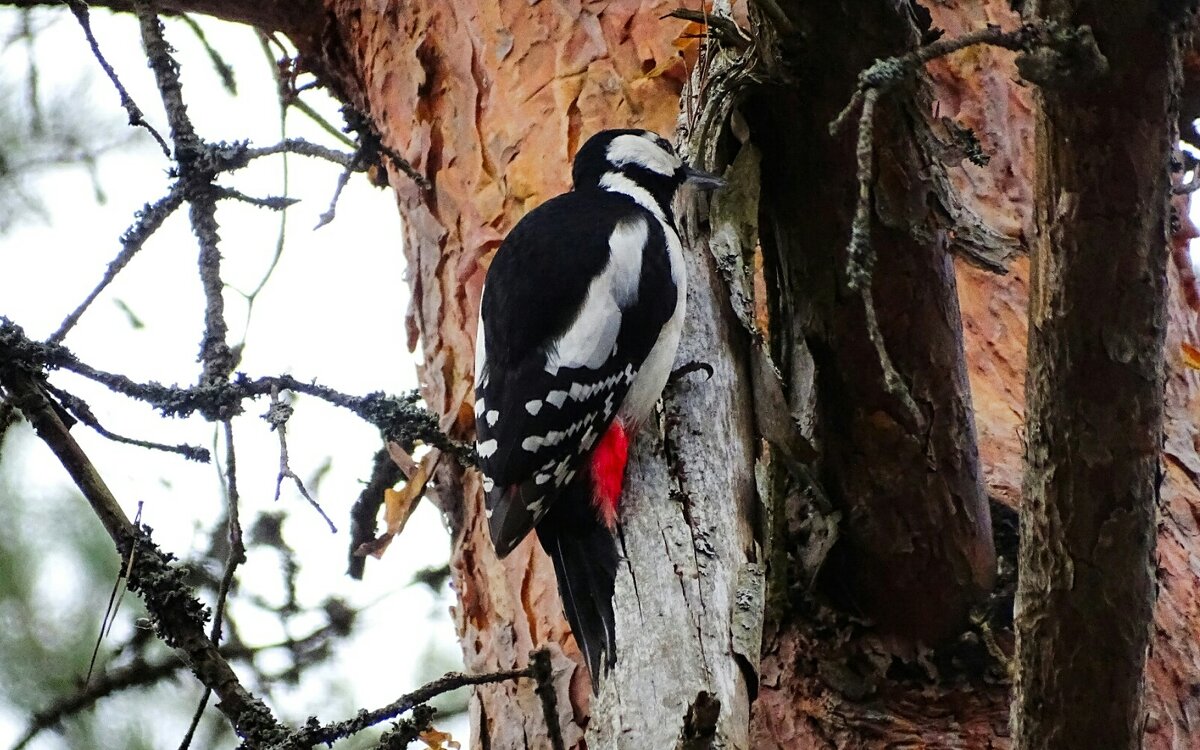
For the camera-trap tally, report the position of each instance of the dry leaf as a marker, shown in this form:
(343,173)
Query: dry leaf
(439,740)
(402,458)
(398,505)
(1191,355)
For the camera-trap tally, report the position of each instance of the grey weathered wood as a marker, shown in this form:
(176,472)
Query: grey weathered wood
(689,596)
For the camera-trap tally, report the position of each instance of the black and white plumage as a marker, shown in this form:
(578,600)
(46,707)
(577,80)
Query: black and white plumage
(579,324)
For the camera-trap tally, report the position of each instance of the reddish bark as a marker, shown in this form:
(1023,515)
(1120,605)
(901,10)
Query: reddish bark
(490,100)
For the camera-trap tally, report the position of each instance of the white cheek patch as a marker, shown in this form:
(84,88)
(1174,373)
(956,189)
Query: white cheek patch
(634,149)
(615,182)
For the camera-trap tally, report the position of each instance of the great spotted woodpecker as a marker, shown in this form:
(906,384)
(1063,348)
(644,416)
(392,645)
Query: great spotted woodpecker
(579,323)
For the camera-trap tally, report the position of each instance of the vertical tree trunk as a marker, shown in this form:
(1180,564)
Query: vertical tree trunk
(1095,383)
(916,547)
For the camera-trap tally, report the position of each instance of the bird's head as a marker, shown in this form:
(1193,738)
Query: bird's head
(612,159)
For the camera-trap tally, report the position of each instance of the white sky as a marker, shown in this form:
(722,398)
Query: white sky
(333,311)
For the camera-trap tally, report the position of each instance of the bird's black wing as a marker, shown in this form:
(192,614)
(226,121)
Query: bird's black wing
(539,406)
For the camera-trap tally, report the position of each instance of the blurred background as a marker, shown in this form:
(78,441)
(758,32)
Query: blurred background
(331,307)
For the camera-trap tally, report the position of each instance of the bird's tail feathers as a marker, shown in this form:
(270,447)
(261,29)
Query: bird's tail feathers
(585,559)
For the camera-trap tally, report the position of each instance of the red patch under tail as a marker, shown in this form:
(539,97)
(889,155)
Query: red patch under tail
(608,472)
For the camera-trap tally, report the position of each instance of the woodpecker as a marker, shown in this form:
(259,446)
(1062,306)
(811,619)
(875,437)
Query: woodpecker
(578,327)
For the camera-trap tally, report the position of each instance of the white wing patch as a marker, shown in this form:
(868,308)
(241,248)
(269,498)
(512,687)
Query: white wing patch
(486,448)
(593,334)
(492,416)
(533,407)
(635,149)
(480,350)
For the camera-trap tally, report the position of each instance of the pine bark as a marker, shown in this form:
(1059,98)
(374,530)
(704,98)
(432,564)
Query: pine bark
(1095,384)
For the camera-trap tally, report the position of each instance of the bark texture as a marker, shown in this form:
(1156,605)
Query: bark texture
(916,547)
(490,101)
(1095,384)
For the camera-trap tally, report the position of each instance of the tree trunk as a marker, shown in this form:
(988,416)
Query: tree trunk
(1095,384)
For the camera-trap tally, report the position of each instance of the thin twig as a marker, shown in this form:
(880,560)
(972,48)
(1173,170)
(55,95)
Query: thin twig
(237,556)
(398,417)
(142,674)
(194,724)
(277,416)
(887,73)
(328,733)
(331,212)
(146,222)
(79,409)
(138,674)
(860,257)
(891,377)
(723,28)
(237,548)
(216,357)
(177,615)
(136,118)
(114,602)
(223,69)
(304,148)
(273,202)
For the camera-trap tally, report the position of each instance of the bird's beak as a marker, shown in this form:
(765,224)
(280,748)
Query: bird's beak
(702,179)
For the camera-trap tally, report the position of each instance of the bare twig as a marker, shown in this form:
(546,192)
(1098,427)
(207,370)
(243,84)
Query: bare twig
(223,69)
(273,202)
(237,548)
(114,602)
(197,175)
(859,255)
(277,416)
(331,212)
(303,148)
(81,411)
(139,673)
(237,556)
(316,734)
(1076,46)
(147,221)
(177,615)
(398,417)
(80,9)
(891,377)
